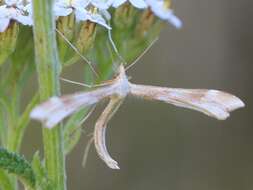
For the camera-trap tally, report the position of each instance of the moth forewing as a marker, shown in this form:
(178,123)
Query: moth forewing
(100,131)
(53,111)
(213,103)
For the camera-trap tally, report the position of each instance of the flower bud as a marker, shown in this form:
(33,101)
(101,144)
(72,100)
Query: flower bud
(146,21)
(167,4)
(124,16)
(8,40)
(65,25)
(149,23)
(86,36)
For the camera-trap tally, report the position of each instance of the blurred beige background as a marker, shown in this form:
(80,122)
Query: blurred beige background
(162,147)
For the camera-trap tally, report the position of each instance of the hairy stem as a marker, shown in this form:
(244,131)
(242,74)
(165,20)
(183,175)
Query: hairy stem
(48,69)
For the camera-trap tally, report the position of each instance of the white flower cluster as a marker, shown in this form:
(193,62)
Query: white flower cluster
(14,10)
(92,10)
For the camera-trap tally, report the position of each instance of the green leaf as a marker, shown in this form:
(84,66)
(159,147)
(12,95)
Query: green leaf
(71,141)
(15,139)
(42,181)
(72,132)
(17,165)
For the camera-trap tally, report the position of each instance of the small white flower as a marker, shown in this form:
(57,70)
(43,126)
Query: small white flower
(29,9)
(140,4)
(93,17)
(13,2)
(102,4)
(66,7)
(8,13)
(60,10)
(164,13)
(106,14)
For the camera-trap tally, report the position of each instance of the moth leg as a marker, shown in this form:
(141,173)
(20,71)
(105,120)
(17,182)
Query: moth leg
(86,151)
(100,131)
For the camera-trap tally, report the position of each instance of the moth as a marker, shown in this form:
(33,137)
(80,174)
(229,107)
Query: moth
(214,103)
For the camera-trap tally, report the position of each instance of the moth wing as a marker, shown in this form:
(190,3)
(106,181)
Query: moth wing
(53,111)
(213,103)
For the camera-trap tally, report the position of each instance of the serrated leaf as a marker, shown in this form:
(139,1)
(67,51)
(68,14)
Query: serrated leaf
(16,164)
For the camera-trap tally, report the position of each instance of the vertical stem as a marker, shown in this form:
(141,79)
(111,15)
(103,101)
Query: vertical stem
(48,68)
(5,181)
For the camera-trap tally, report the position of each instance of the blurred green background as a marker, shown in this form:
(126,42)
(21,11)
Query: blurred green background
(162,147)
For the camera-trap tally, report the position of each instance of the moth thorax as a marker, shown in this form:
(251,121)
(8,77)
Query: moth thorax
(123,87)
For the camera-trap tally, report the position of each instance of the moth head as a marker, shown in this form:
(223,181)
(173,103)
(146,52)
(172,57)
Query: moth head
(121,69)
(122,82)
(121,75)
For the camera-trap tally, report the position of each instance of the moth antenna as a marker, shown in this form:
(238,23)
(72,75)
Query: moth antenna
(114,45)
(142,54)
(77,51)
(86,85)
(86,151)
(108,44)
(74,82)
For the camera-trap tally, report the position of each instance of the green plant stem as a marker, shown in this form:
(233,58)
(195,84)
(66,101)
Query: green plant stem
(5,182)
(48,69)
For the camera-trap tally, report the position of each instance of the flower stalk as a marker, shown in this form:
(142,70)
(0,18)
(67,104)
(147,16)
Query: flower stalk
(48,70)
